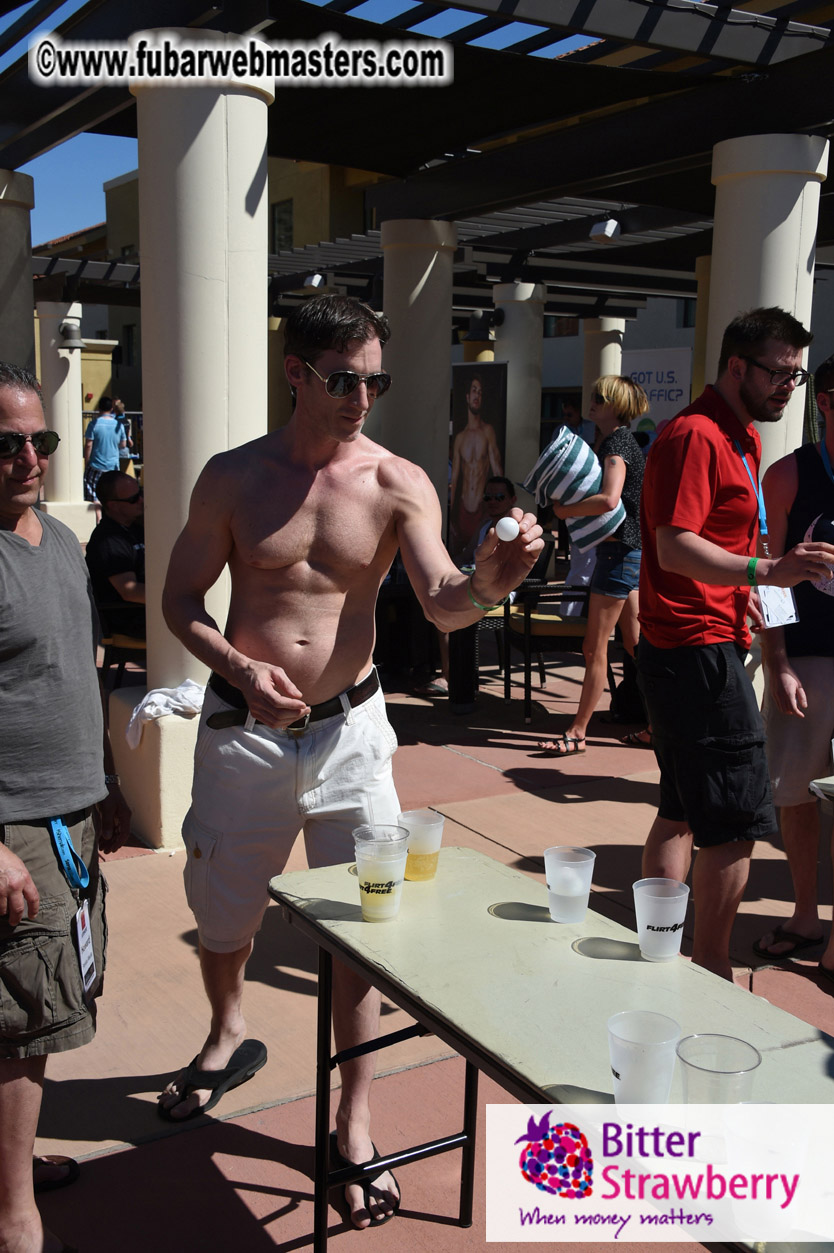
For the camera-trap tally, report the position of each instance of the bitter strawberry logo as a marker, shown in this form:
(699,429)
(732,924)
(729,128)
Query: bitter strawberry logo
(557,1158)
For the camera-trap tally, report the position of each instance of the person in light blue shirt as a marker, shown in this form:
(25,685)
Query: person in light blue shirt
(104,444)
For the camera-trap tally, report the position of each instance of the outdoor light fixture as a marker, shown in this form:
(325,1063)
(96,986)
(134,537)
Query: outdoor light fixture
(605,232)
(314,280)
(70,336)
(480,322)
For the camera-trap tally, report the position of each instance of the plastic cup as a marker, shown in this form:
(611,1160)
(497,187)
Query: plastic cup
(380,865)
(425,834)
(568,872)
(717,1069)
(660,906)
(641,1045)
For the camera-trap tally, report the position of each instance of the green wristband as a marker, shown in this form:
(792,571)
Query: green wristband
(751,571)
(477,603)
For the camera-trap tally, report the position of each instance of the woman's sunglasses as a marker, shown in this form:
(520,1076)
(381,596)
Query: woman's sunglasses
(43,442)
(342,382)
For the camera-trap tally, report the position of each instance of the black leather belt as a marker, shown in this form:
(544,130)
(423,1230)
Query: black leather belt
(236,717)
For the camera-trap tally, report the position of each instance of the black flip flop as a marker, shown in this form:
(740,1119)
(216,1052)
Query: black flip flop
(781,935)
(247,1058)
(55,1159)
(336,1159)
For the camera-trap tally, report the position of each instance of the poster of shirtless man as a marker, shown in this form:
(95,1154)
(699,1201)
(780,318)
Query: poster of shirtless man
(479,407)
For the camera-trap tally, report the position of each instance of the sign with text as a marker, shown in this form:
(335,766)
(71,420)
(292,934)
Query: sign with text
(665,374)
(660,1173)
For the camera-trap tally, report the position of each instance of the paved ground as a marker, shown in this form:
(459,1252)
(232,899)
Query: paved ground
(242,1180)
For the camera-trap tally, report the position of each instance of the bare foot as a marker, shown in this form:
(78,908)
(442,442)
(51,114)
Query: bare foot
(383,1193)
(215,1055)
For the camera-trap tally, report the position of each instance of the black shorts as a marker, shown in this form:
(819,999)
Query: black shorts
(709,740)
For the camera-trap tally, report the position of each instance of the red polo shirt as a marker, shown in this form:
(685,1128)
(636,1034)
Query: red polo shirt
(695,480)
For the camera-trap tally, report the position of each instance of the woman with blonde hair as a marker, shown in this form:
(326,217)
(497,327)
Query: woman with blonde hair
(617,401)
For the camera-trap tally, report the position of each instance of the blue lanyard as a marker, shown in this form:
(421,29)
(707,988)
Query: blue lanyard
(758,490)
(826,460)
(76,873)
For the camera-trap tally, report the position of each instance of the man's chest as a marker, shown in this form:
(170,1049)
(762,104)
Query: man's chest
(346,530)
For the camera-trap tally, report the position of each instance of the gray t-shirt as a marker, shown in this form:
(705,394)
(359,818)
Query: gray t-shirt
(51,734)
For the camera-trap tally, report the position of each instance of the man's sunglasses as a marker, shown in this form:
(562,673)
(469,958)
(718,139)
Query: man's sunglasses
(129,500)
(497,496)
(780,378)
(342,382)
(43,442)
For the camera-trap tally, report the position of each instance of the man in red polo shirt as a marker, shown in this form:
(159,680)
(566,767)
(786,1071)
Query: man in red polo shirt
(700,520)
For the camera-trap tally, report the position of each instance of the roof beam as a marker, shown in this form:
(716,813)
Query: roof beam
(707,30)
(634,221)
(608,156)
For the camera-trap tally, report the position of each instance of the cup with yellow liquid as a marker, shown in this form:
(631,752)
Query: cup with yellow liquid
(425,834)
(380,863)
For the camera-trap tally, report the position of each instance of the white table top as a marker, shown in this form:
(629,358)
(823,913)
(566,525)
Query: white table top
(477,948)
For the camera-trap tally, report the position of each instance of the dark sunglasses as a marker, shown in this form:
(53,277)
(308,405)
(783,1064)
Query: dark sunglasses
(599,399)
(129,500)
(780,378)
(342,382)
(43,442)
(497,496)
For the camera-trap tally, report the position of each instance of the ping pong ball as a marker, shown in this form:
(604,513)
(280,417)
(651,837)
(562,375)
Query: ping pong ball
(506,529)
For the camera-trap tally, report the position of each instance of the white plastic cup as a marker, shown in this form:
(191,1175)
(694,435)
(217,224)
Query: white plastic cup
(717,1069)
(425,835)
(660,908)
(641,1046)
(381,850)
(568,872)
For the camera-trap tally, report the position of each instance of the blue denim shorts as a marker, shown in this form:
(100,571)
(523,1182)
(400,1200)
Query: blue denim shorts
(617,571)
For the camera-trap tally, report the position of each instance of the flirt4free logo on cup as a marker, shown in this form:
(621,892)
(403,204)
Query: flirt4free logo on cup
(660,1173)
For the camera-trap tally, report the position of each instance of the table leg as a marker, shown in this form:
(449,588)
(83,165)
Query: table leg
(470,1126)
(322,1168)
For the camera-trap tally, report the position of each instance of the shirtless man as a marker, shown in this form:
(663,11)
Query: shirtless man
(309,519)
(475,455)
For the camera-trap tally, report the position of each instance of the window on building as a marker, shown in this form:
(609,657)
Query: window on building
(685,313)
(281,225)
(560,328)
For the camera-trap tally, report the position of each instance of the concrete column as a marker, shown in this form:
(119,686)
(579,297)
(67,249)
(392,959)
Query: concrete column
(766,209)
(413,419)
(603,353)
(17,333)
(518,341)
(203,226)
(703,269)
(475,350)
(61,384)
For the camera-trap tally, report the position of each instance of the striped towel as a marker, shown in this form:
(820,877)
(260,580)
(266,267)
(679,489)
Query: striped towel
(567,471)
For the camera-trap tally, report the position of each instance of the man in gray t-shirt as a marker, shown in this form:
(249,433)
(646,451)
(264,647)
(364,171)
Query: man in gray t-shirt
(55,763)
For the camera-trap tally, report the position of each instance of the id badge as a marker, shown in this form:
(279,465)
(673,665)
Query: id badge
(778,606)
(86,956)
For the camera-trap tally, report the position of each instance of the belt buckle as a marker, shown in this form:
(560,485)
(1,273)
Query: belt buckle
(299,726)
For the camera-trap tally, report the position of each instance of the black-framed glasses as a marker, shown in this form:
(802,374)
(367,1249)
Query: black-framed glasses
(342,382)
(779,378)
(129,500)
(43,442)
(496,496)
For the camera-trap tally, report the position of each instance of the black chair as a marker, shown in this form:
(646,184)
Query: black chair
(536,624)
(118,649)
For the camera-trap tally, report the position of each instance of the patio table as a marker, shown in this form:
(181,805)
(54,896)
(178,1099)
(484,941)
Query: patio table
(475,959)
